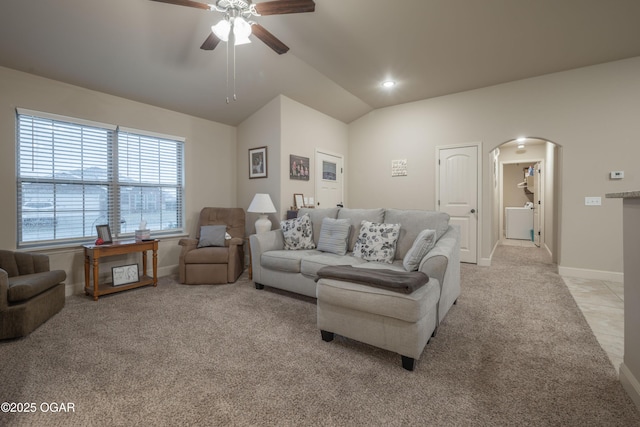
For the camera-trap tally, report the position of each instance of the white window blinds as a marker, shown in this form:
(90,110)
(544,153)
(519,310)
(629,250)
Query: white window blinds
(73,175)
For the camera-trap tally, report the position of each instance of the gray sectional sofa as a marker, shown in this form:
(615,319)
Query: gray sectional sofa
(359,309)
(296,270)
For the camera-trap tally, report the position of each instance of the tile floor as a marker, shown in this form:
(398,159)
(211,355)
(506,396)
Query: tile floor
(602,304)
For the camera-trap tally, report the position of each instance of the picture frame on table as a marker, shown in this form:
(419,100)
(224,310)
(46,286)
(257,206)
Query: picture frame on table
(257,162)
(125,274)
(104,233)
(298,201)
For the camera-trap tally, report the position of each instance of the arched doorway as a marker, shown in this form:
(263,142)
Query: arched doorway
(527,193)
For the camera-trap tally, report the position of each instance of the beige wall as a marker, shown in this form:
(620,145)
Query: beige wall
(286,127)
(262,129)
(303,131)
(210,154)
(591,112)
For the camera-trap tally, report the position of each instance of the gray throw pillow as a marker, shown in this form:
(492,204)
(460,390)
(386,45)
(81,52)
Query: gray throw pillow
(212,235)
(425,241)
(334,235)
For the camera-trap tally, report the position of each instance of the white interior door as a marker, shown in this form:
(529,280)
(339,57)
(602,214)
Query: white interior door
(458,195)
(329,180)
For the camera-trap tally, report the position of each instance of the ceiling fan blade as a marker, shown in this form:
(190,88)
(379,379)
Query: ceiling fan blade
(269,39)
(280,7)
(188,3)
(211,42)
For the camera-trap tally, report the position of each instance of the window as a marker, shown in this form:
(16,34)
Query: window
(73,175)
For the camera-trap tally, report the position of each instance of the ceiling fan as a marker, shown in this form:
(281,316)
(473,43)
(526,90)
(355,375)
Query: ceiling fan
(236,26)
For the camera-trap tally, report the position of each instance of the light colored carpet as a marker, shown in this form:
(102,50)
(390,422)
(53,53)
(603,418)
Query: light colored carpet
(515,350)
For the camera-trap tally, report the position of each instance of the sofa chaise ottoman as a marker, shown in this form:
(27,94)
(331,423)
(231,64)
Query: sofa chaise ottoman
(395,319)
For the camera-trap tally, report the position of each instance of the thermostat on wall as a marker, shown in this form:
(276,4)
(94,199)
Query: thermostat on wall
(616,174)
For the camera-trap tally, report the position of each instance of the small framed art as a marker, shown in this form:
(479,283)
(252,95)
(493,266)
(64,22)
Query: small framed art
(298,168)
(298,201)
(104,233)
(258,162)
(124,274)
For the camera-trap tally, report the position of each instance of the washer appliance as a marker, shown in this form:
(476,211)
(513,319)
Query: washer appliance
(519,223)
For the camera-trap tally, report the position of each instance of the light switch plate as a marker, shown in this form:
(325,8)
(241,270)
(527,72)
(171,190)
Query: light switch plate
(616,174)
(593,201)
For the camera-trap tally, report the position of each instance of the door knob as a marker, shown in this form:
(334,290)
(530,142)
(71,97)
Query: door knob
(473,211)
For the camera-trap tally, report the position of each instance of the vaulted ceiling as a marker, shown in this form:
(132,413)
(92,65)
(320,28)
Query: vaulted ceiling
(150,52)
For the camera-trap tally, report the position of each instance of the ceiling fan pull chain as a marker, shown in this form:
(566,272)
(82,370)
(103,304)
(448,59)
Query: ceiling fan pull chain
(234,72)
(232,41)
(227,92)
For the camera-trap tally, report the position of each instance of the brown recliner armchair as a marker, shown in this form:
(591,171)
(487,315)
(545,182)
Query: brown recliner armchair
(29,292)
(211,258)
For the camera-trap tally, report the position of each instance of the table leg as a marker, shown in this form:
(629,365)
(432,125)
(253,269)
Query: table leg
(87,280)
(144,263)
(155,267)
(95,279)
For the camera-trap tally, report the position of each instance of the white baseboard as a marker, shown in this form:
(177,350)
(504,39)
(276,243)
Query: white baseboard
(484,262)
(630,383)
(78,288)
(584,273)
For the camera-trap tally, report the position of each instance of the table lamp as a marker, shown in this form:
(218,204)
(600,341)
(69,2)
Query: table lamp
(263,205)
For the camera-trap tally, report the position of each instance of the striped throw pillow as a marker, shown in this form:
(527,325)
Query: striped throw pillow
(334,234)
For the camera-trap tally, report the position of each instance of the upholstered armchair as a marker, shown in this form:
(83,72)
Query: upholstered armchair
(29,292)
(216,254)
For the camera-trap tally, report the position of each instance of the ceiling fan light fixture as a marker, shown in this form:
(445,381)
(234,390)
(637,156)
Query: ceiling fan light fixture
(241,30)
(221,30)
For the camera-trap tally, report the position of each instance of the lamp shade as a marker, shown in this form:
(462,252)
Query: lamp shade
(263,205)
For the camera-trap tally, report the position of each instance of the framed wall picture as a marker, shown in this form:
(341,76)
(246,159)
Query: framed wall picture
(124,274)
(104,233)
(258,162)
(298,168)
(298,201)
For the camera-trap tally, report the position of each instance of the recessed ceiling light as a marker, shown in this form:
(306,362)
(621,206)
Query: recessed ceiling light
(388,83)
(521,139)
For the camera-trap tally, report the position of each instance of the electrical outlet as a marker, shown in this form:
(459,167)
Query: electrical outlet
(593,201)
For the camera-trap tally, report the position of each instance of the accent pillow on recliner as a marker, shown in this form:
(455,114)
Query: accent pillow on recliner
(298,233)
(377,241)
(425,241)
(334,235)
(212,235)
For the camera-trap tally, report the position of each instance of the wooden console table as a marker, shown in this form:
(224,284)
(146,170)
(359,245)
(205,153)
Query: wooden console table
(93,253)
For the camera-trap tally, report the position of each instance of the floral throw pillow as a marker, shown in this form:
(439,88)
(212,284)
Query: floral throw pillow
(298,233)
(377,241)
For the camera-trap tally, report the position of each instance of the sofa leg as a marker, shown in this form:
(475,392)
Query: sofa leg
(327,336)
(435,332)
(408,363)
(455,302)
(259,285)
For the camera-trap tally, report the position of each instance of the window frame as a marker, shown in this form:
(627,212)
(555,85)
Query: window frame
(114,180)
